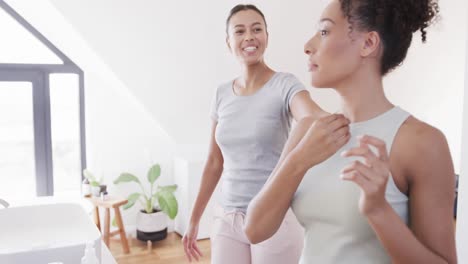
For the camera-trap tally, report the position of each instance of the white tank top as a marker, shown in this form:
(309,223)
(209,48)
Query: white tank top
(327,206)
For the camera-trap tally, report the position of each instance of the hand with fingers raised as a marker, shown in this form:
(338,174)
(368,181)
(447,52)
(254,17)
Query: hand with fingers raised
(323,138)
(371,175)
(190,243)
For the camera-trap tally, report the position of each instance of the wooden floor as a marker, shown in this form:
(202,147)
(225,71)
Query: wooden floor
(167,251)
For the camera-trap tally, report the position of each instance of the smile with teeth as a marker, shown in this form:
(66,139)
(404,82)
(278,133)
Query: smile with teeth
(250,48)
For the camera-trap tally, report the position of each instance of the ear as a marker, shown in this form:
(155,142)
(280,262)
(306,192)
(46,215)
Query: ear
(371,44)
(228,43)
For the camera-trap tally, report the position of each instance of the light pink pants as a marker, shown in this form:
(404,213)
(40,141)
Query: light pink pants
(229,244)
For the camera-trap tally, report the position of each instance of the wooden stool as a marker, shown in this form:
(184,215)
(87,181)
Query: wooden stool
(110,202)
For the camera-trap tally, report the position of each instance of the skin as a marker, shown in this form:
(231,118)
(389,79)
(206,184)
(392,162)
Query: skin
(419,161)
(245,29)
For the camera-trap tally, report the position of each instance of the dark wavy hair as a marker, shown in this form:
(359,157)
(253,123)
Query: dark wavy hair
(242,7)
(395,21)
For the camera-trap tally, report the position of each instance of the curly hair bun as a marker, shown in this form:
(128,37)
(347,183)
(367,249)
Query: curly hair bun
(395,21)
(413,15)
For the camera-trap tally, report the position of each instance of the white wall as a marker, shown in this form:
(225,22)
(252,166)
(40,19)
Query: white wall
(462,218)
(121,135)
(172,55)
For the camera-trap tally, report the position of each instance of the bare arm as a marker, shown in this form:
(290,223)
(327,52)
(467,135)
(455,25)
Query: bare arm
(210,178)
(302,105)
(310,143)
(430,238)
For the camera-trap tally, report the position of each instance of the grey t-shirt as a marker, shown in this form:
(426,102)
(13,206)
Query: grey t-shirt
(251,133)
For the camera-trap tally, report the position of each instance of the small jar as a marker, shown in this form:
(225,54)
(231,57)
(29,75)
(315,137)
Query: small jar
(104,195)
(85,188)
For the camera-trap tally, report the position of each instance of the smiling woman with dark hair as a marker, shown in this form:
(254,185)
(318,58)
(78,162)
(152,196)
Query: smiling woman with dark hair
(252,116)
(387,195)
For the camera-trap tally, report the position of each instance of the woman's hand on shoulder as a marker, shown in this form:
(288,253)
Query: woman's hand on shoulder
(321,138)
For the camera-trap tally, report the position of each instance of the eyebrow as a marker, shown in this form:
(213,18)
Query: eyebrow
(327,19)
(242,25)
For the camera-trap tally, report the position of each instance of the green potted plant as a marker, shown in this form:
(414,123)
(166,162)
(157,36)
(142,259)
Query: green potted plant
(158,204)
(95,184)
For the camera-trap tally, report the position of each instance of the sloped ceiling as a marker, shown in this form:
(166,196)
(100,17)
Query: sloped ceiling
(171,54)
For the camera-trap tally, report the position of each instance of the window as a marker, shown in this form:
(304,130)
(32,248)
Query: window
(65,128)
(42,144)
(17,162)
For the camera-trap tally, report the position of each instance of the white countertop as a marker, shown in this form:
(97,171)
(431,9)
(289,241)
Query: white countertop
(106,256)
(72,198)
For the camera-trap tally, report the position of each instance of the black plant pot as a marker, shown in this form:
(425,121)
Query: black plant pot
(151,226)
(153,236)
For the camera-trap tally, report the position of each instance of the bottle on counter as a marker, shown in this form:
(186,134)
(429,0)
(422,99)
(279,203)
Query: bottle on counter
(90,255)
(104,195)
(85,188)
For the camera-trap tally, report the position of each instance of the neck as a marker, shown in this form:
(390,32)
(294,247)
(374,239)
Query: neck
(363,96)
(254,76)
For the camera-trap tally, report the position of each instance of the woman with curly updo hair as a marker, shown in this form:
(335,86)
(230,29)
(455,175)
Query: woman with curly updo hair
(387,195)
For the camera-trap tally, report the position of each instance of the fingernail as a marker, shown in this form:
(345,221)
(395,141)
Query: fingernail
(343,153)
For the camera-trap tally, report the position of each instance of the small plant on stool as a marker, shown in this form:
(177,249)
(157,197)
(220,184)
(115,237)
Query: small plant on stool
(152,219)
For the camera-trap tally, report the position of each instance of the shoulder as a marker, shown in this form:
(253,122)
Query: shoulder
(287,78)
(420,136)
(225,85)
(223,89)
(288,84)
(420,146)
